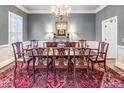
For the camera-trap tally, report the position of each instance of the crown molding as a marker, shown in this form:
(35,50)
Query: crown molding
(39,12)
(83,11)
(47,11)
(100,8)
(22,8)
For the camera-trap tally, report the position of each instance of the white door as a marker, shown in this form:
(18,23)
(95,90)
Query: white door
(109,35)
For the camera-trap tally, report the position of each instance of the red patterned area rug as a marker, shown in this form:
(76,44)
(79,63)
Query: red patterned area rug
(84,79)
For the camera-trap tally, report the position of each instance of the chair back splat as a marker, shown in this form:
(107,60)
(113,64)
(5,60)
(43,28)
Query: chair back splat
(100,56)
(18,50)
(34,43)
(82,43)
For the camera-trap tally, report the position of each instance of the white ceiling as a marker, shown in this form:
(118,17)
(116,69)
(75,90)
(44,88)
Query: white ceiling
(31,9)
(48,7)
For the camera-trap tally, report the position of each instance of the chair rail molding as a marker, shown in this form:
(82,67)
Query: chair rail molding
(3,46)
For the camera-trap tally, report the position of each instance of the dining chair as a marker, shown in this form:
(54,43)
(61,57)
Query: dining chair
(34,43)
(79,60)
(80,53)
(41,56)
(72,44)
(51,44)
(99,56)
(20,56)
(61,58)
(82,43)
(67,44)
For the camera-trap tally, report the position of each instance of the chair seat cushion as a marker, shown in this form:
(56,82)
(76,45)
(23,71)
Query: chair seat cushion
(26,59)
(94,58)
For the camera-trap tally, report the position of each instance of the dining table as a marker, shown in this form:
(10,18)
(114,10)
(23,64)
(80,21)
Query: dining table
(74,53)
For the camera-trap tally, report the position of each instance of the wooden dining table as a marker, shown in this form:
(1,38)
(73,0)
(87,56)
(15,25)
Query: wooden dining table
(73,53)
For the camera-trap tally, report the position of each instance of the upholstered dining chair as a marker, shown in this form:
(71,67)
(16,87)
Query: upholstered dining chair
(21,57)
(78,60)
(41,56)
(51,44)
(82,43)
(34,43)
(61,58)
(100,55)
(80,53)
(72,44)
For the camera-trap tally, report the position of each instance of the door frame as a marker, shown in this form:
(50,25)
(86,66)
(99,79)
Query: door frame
(116,18)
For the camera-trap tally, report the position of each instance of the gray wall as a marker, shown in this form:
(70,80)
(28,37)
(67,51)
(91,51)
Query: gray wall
(86,26)
(108,12)
(4,22)
(82,24)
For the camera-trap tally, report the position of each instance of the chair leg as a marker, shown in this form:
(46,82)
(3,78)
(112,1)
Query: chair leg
(14,76)
(47,77)
(87,62)
(14,79)
(54,69)
(104,66)
(55,78)
(22,65)
(92,64)
(99,64)
(34,72)
(74,73)
(68,69)
(28,67)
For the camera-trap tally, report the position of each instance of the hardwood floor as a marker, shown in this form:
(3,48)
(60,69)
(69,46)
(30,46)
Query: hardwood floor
(6,67)
(109,63)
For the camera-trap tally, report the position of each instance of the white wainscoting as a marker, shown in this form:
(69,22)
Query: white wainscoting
(93,44)
(120,57)
(6,55)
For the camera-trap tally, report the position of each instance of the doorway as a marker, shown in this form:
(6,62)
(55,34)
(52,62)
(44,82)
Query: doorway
(109,35)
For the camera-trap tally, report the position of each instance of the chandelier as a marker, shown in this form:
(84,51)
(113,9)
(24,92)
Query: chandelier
(61,11)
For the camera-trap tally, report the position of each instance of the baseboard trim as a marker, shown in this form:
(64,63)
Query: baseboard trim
(119,46)
(120,65)
(6,62)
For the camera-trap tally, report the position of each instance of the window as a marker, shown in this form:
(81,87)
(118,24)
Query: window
(15,28)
